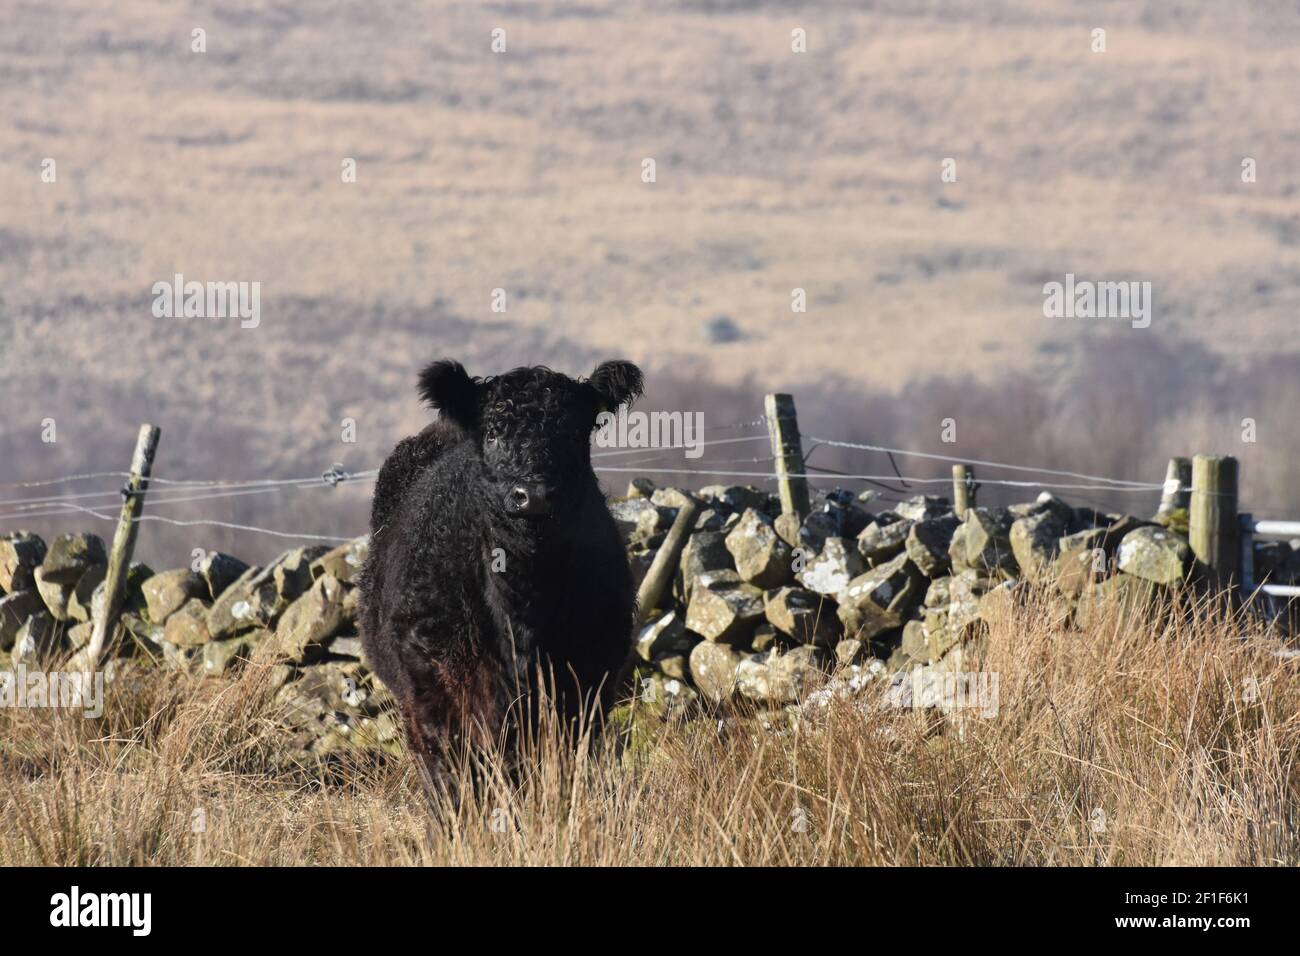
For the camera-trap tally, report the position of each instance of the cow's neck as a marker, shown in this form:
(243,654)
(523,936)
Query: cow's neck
(524,560)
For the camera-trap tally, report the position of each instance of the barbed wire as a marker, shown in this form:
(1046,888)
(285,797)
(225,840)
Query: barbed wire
(180,490)
(920,481)
(74,509)
(668,448)
(329,478)
(66,478)
(988,464)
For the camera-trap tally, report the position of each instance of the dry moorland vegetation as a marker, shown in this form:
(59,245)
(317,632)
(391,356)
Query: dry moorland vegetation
(1132,738)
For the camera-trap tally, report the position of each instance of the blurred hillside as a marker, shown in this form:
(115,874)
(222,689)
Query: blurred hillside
(522,171)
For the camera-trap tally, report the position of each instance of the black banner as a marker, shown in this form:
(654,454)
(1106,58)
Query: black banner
(331,906)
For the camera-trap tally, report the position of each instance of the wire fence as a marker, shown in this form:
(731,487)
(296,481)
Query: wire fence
(165,492)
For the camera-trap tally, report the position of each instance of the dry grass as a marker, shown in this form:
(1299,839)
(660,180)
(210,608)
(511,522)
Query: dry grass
(1183,733)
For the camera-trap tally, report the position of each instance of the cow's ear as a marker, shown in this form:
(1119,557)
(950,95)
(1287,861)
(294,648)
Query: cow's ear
(446,386)
(616,383)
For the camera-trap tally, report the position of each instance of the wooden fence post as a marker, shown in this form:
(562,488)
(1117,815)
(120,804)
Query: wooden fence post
(963,490)
(1213,527)
(1177,492)
(119,559)
(783,431)
(666,559)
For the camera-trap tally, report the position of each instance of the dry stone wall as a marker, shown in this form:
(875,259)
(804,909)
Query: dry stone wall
(763,607)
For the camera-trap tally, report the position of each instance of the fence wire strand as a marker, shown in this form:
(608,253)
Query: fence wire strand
(167,491)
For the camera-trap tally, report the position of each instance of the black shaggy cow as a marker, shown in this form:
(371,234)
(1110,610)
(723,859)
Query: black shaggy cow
(493,557)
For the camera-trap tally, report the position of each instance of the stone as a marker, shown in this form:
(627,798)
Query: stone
(999,603)
(168,591)
(761,557)
(298,707)
(935,623)
(966,590)
(142,637)
(667,634)
(983,543)
(767,637)
(677,666)
(81,600)
(724,609)
(1085,518)
(787,529)
(1134,599)
(70,555)
(80,634)
(664,695)
(958,620)
(15,608)
(640,488)
(1120,528)
(673,499)
(835,516)
(1081,561)
(1048,503)
(831,571)
(1155,554)
(351,604)
(710,519)
(639,563)
(344,562)
(310,621)
(922,507)
(713,670)
(86,602)
(1035,542)
(806,616)
(737,497)
(346,646)
(781,678)
(851,651)
(133,596)
(927,544)
(946,686)
(879,599)
(704,551)
(180,658)
(188,627)
(639,519)
(292,574)
(345,686)
(221,657)
(21,553)
(219,571)
(916,643)
(883,539)
(38,640)
(939,592)
(56,594)
(247,604)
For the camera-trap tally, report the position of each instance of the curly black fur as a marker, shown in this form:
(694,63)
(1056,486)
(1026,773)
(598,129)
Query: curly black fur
(464,601)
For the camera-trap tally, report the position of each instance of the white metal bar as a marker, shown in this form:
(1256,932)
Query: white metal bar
(1280,590)
(1280,528)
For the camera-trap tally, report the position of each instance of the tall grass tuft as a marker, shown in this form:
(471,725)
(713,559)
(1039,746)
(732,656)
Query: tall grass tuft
(1134,739)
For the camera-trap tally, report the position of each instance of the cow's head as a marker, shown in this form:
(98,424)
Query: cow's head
(532,425)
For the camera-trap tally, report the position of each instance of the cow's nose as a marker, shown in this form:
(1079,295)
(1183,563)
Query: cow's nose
(530,499)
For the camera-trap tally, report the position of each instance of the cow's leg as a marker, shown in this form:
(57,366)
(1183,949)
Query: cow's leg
(427,746)
(446,712)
